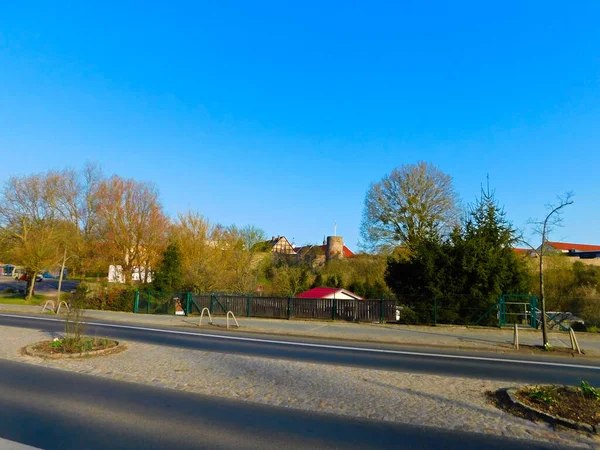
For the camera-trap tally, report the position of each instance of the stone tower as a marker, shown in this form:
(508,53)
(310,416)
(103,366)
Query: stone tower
(335,248)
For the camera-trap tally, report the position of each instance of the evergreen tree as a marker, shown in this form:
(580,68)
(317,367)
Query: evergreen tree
(467,272)
(169,277)
(485,254)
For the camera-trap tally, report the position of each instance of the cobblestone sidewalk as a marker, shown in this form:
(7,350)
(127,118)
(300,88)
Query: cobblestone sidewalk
(446,402)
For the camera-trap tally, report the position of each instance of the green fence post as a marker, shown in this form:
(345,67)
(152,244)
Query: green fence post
(289,311)
(212,303)
(187,303)
(148,306)
(334,309)
(136,301)
(434,310)
(382,320)
(248,305)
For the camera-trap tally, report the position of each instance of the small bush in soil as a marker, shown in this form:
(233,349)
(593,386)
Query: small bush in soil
(588,390)
(546,395)
(70,345)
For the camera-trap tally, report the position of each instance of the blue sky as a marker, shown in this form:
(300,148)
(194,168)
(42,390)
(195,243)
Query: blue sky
(280,114)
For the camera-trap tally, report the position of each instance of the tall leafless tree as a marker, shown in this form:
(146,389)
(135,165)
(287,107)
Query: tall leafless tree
(412,203)
(544,228)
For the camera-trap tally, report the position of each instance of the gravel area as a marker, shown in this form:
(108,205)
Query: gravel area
(446,402)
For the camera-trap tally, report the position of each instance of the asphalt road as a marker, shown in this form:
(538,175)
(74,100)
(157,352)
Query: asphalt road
(47,286)
(523,369)
(53,409)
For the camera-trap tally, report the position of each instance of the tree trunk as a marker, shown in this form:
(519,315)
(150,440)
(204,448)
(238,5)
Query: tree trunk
(31,287)
(60,278)
(542,298)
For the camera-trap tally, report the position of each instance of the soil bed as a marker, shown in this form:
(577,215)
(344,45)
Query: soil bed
(85,346)
(565,402)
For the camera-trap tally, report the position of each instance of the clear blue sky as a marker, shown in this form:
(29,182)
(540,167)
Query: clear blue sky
(280,114)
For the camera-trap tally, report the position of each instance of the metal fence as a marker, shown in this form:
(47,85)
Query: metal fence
(151,302)
(579,312)
(414,310)
(448,310)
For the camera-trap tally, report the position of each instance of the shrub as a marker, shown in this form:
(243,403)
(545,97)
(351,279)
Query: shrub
(589,391)
(110,298)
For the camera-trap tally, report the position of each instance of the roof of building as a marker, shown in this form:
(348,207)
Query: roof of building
(322,292)
(277,244)
(523,251)
(567,246)
(347,252)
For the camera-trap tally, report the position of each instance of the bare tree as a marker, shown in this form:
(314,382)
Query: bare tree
(413,202)
(252,235)
(77,196)
(544,228)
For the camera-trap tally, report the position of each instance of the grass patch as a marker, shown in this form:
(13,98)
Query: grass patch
(17,299)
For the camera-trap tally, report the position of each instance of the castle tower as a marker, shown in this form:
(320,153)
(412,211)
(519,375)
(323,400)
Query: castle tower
(335,248)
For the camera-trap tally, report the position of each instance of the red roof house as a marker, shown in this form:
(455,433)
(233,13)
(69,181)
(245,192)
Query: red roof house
(566,247)
(525,251)
(327,292)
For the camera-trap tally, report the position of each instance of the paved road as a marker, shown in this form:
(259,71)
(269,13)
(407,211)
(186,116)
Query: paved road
(53,409)
(47,286)
(476,365)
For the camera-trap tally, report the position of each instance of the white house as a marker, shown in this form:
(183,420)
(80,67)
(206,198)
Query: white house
(116,275)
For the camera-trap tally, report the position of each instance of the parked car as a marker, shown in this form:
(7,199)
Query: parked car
(25,277)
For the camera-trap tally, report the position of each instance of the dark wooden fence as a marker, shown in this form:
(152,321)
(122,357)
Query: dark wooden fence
(270,307)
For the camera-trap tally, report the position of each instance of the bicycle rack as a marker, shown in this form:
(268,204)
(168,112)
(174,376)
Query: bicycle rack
(46,305)
(60,304)
(234,319)
(202,315)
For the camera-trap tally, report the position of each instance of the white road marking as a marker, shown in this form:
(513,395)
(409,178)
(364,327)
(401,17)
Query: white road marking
(327,346)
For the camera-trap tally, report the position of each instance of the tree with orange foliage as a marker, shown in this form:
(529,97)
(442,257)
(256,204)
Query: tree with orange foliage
(132,228)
